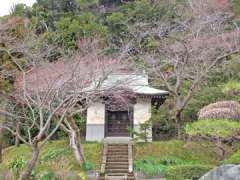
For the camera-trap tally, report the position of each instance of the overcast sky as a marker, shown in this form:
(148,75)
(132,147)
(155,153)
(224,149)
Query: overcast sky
(5,5)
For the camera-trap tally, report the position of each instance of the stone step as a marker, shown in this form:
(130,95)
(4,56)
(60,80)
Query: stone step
(117,167)
(118,144)
(117,159)
(123,146)
(116,164)
(118,149)
(116,178)
(117,154)
(117,170)
(119,162)
(120,178)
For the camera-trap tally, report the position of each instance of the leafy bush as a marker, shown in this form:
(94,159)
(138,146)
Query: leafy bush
(203,97)
(69,29)
(232,90)
(220,128)
(20,10)
(83,4)
(87,166)
(221,110)
(183,172)
(17,165)
(143,134)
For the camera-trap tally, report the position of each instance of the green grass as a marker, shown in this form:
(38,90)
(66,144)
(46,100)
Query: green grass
(175,159)
(165,157)
(202,152)
(56,156)
(233,159)
(220,128)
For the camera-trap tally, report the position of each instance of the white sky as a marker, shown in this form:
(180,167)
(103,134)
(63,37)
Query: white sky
(5,5)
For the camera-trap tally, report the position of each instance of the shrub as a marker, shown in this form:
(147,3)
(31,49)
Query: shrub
(183,172)
(87,166)
(213,128)
(17,165)
(221,110)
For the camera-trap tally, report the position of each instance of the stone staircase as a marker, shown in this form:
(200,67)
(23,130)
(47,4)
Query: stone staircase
(117,160)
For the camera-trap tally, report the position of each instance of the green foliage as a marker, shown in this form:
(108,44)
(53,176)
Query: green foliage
(56,157)
(183,172)
(83,4)
(143,133)
(205,96)
(58,5)
(163,123)
(171,167)
(233,159)
(150,166)
(232,90)
(87,166)
(231,69)
(47,175)
(202,151)
(232,86)
(85,25)
(213,128)
(54,153)
(17,165)
(80,121)
(147,11)
(236,6)
(115,18)
(20,10)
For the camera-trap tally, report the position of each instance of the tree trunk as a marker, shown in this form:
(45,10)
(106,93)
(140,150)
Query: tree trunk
(17,141)
(74,139)
(221,148)
(178,123)
(1,144)
(2,120)
(26,175)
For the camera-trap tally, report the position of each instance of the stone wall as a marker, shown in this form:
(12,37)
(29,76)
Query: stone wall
(142,113)
(95,122)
